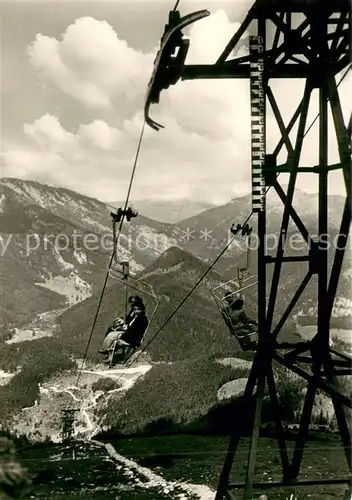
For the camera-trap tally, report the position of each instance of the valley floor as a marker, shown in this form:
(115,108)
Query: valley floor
(171,467)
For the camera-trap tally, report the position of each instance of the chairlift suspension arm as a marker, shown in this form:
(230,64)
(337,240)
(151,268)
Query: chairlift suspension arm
(170,59)
(116,217)
(126,273)
(246,230)
(114,238)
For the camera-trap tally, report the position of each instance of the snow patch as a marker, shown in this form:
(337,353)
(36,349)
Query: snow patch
(232,389)
(126,376)
(5,377)
(15,188)
(39,197)
(73,287)
(44,418)
(100,228)
(153,240)
(124,253)
(44,325)
(156,481)
(80,256)
(342,307)
(24,334)
(2,199)
(64,265)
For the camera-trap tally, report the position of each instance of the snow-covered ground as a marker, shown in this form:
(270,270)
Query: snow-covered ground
(152,480)
(31,419)
(5,377)
(308,332)
(2,199)
(24,334)
(44,325)
(67,391)
(74,288)
(342,308)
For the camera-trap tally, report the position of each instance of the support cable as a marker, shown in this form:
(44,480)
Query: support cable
(114,248)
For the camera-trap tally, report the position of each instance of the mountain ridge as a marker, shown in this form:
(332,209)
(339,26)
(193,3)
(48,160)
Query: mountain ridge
(166,211)
(66,240)
(38,209)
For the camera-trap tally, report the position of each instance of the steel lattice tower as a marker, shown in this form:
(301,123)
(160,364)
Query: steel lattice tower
(315,50)
(68,420)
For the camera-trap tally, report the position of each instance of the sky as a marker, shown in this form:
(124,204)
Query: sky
(73,82)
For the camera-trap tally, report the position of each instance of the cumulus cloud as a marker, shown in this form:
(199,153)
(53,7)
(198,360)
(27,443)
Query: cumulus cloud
(48,133)
(204,150)
(90,63)
(101,156)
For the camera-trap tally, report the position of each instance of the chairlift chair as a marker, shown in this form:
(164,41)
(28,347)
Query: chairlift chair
(235,288)
(150,300)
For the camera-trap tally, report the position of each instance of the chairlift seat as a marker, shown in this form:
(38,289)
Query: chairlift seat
(242,331)
(126,351)
(151,302)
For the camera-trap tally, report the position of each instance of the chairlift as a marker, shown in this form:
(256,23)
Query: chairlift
(231,290)
(132,286)
(222,295)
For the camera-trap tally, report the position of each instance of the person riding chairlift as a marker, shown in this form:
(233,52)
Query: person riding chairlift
(134,300)
(131,332)
(238,322)
(117,324)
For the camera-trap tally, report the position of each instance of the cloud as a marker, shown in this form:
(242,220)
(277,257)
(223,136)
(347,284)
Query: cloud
(203,152)
(48,133)
(100,157)
(90,63)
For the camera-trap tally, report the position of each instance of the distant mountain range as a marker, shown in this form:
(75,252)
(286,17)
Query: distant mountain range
(170,211)
(56,244)
(219,220)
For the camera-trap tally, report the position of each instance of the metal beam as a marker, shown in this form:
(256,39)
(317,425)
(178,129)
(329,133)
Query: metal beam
(279,484)
(290,192)
(316,50)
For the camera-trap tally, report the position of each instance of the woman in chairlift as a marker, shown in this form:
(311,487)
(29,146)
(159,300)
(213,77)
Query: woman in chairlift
(129,333)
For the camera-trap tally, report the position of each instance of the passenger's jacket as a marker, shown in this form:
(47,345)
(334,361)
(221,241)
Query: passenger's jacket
(235,317)
(239,317)
(135,330)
